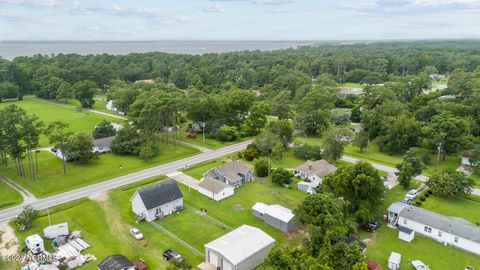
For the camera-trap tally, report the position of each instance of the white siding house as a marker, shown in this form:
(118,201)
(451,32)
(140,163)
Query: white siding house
(451,231)
(157,200)
(241,249)
(315,171)
(215,190)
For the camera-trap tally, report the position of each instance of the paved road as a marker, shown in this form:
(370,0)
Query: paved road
(87,191)
(380,167)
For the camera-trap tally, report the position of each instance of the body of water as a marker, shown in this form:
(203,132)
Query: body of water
(10,50)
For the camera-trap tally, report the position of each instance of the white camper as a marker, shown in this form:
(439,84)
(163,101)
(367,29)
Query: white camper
(35,243)
(53,231)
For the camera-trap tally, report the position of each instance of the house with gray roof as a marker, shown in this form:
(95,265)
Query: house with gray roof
(451,231)
(315,171)
(157,201)
(215,189)
(102,145)
(233,173)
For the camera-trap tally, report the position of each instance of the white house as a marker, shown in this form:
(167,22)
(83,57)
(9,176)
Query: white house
(102,145)
(315,171)
(241,249)
(215,190)
(452,231)
(275,215)
(233,173)
(157,201)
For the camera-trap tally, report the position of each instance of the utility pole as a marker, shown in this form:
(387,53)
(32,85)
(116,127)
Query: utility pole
(438,155)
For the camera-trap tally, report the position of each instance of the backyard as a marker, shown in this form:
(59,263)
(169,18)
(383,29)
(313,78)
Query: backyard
(10,197)
(51,179)
(79,121)
(385,240)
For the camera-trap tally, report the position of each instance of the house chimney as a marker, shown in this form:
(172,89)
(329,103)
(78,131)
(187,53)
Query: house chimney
(310,166)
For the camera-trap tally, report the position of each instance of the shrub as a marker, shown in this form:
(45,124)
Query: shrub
(427,194)
(418,203)
(281,177)
(104,130)
(423,198)
(251,152)
(228,134)
(261,168)
(306,151)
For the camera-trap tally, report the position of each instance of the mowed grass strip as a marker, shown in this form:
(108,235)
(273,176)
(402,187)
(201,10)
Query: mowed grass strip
(51,179)
(48,112)
(9,196)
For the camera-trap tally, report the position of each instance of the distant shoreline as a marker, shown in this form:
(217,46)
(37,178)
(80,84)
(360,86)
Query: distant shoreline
(11,49)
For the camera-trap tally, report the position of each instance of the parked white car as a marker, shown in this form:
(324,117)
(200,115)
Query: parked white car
(136,233)
(412,194)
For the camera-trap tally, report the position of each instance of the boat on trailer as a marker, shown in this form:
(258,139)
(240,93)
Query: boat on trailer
(419,265)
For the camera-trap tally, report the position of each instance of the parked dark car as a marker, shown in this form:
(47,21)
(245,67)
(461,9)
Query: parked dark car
(171,254)
(372,226)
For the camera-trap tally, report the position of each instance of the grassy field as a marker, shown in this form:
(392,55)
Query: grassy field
(10,196)
(351,85)
(432,253)
(48,112)
(211,143)
(106,219)
(51,179)
(457,206)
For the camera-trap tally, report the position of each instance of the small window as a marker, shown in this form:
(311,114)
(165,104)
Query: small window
(440,233)
(429,230)
(425,229)
(456,239)
(404,221)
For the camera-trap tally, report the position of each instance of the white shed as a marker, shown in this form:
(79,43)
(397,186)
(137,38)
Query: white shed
(406,234)
(394,261)
(241,249)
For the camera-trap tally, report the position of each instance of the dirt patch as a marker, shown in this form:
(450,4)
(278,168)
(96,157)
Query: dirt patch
(100,197)
(8,240)
(238,207)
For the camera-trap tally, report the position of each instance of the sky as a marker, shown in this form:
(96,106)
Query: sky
(148,20)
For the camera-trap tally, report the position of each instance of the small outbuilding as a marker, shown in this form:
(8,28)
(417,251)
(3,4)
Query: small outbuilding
(307,187)
(394,261)
(241,249)
(275,215)
(406,234)
(215,190)
(116,262)
(53,231)
(157,201)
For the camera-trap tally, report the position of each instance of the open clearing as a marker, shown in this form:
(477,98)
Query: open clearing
(82,121)
(51,179)
(9,196)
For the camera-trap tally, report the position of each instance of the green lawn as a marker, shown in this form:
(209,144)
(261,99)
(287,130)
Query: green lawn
(83,121)
(51,179)
(456,207)
(205,231)
(10,196)
(351,85)
(431,252)
(236,210)
(384,241)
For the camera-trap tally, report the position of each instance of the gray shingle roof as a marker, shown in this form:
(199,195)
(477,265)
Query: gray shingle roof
(115,262)
(232,170)
(319,167)
(405,230)
(160,193)
(454,225)
(103,142)
(212,185)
